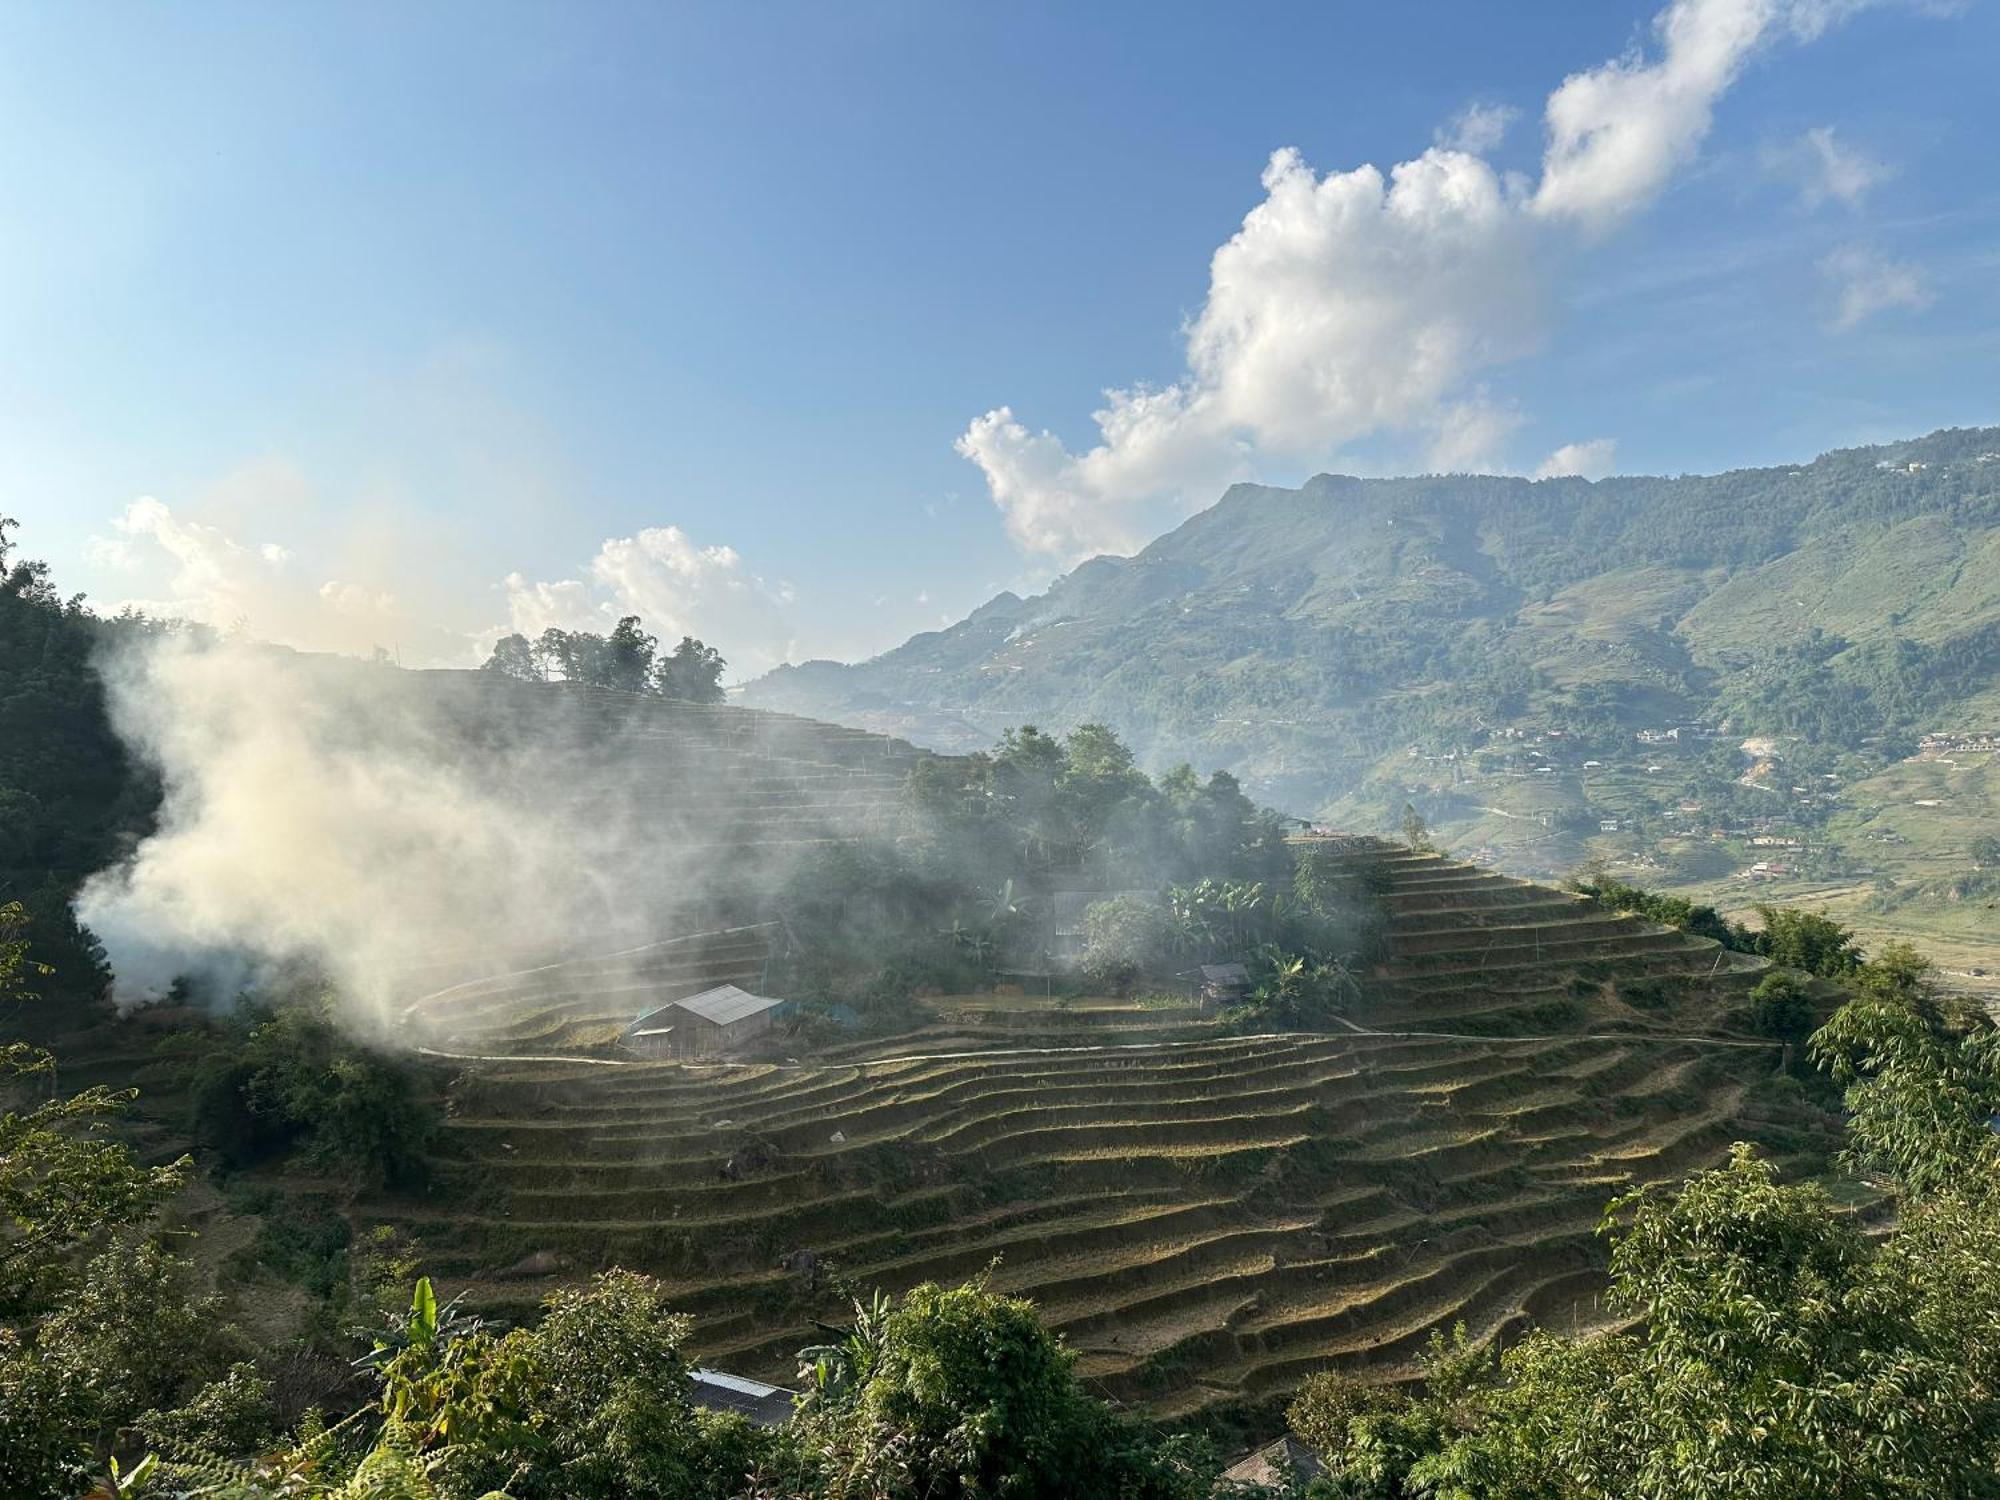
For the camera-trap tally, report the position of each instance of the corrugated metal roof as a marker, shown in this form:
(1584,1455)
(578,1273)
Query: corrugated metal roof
(766,1405)
(724,1004)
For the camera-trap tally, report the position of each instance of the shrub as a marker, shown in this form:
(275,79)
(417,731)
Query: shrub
(1780,1006)
(296,1079)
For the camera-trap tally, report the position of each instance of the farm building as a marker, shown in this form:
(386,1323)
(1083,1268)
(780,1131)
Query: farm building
(717,1020)
(765,1405)
(1285,1462)
(1223,984)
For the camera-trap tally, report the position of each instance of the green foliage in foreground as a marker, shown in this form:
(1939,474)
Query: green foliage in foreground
(1777,1350)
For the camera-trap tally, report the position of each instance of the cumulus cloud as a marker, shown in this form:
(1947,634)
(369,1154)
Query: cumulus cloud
(177,568)
(1866,282)
(1360,301)
(677,586)
(1618,132)
(1591,460)
(184,569)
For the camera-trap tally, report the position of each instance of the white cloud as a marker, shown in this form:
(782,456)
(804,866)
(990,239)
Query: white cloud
(676,587)
(185,569)
(1866,282)
(1592,459)
(1826,170)
(1358,302)
(1344,304)
(198,572)
(1478,128)
(1618,132)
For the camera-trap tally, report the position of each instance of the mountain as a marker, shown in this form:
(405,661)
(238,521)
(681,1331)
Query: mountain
(1313,639)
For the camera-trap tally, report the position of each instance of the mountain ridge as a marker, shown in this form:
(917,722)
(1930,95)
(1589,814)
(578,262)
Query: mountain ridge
(1296,636)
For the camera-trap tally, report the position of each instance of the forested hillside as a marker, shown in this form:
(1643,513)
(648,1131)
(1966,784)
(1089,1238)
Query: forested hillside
(71,799)
(1298,636)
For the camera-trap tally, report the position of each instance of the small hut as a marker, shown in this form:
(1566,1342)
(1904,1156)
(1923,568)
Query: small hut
(715,1021)
(1223,984)
(1284,1462)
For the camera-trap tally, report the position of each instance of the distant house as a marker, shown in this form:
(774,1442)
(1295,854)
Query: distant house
(1283,1462)
(715,1021)
(1223,984)
(1607,825)
(765,1405)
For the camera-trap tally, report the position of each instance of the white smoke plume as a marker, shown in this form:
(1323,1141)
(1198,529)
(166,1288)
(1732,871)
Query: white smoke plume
(303,819)
(382,826)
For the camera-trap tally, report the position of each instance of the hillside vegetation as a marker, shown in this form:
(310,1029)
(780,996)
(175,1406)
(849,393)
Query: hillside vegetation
(1296,636)
(1072,1233)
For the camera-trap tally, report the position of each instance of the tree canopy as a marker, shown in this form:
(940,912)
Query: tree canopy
(628,660)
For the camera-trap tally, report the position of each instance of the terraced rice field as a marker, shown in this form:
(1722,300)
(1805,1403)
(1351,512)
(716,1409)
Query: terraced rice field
(581,1005)
(1471,950)
(1207,1222)
(1206,1218)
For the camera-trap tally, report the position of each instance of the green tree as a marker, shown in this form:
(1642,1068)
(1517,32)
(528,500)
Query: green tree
(134,1333)
(89,1314)
(1416,832)
(65,1185)
(1776,1353)
(297,1078)
(628,657)
(592,1403)
(1922,1078)
(690,673)
(1781,1005)
(960,1392)
(1124,936)
(1986,851)
(1806,940)
(515,656)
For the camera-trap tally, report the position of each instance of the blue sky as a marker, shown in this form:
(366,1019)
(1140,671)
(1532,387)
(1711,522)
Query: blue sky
(403,324)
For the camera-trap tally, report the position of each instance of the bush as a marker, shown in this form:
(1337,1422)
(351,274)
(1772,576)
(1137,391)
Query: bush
(1806,940)
(1781,1006)
(296,1080)
(233,1417)
(961,1392)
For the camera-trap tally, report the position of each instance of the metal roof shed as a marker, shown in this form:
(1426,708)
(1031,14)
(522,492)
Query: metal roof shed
(766,1405)
(716,1020)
